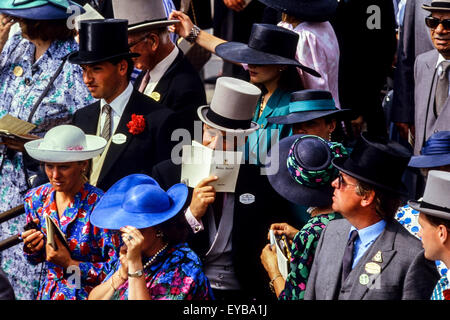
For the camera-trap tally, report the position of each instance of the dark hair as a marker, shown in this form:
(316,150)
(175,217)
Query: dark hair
(130,63)
(436,221)
(174,229)
(290,80)
(46,29)
(386,203)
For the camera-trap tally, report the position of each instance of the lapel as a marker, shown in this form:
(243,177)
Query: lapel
(116,150)
(89,121)
(165,82)
(385,244)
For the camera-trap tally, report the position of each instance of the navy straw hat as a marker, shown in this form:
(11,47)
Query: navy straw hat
(39,9)
(268,44)
(305,10)
(306,105)
(137,200)
(377,161)
(435,152)
(305,169)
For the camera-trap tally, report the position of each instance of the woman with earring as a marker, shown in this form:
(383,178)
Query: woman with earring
(270,60)
(82,258)
(155,262)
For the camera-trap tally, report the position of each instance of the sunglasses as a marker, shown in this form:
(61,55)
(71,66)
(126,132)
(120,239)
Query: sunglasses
(341,182)
(132,44)
(433,23)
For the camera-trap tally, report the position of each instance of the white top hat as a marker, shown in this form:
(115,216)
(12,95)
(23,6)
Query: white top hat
(65,143)
(232,107)
(142,14)
(436,200)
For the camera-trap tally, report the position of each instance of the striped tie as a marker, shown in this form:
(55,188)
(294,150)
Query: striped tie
(106,132)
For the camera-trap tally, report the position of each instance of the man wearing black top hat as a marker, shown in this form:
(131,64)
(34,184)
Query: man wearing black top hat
(135,126)
(369,255)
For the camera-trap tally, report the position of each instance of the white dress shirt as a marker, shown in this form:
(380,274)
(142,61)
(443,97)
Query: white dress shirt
(117,106)
(159,70)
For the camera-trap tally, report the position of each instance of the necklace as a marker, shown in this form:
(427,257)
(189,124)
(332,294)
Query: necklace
(261,105)
(154,257)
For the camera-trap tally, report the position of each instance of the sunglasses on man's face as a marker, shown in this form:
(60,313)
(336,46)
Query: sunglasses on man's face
(433,23)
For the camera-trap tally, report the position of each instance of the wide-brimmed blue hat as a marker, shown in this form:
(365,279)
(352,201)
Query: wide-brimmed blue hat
(305,169)
(306,105)
(435,152)
(137,200)
(40,9)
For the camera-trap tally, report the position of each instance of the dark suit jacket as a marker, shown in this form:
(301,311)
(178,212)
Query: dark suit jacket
(251,223)
(6,291)
(140,152)
(405,273)
(181,90)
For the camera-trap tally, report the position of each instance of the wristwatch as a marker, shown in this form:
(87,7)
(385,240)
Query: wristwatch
(193,34)
(136,274)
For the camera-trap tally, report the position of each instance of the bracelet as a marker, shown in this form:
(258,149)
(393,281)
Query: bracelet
(136,274)
(193,34)
(271,282)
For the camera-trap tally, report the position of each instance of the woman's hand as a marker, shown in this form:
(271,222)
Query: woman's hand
(183,28)
(236,5)
(123,271)
(134,240)
(202,197)
(269,260)
(33,240)
(6,23)
(283,228)
(61,256)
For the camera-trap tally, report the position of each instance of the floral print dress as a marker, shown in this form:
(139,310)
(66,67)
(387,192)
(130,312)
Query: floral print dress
(302,256)
(22,81)
(96,249)
(176,274)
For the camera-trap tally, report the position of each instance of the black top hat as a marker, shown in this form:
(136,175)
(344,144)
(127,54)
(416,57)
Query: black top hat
(102,40)
(268,44)
(377,161)
(306,105)
(305,10)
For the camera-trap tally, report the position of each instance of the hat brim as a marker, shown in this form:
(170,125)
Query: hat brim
(109,214)
(201,111)
(304,116)
(432,9)
(94,146)
(399,189)
(429,161)
(417,205)
(288,188)
(311,11)
(242,53)
(75,58)
(44,12)
(151,25)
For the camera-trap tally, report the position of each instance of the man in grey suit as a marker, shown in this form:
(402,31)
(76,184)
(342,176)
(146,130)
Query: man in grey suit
(432,110)
(369,255)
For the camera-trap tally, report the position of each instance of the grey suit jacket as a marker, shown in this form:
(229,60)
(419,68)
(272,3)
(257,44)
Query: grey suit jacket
(414,39)
(425,120)
(405,273)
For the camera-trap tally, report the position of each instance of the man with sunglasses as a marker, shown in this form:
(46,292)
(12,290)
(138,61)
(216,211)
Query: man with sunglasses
(369,255)
(432,110)
(167,76)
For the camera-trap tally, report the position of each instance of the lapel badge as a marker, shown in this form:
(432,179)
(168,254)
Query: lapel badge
(119,138)
(364,279)
(155,96)
(18,71)
(246,198)
(377,257)
(372,268)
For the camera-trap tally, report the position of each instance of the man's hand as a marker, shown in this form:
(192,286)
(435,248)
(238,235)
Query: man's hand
(236,5)
(203,196)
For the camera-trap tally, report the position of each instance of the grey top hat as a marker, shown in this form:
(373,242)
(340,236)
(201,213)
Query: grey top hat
(437,5)
(142,14)
(232,106)
(436,201)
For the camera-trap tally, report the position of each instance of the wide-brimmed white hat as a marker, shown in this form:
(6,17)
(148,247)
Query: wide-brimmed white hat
(232,107)
(65,143)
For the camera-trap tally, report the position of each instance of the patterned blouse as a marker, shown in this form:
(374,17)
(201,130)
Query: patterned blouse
(176,274)
(22,81)
(302,256)
(96,249)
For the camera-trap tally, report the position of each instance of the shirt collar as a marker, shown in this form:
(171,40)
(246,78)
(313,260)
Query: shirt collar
(440,59)
(119,103)
(158,71)
(368,234)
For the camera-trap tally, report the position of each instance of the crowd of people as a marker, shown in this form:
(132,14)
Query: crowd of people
(339,195)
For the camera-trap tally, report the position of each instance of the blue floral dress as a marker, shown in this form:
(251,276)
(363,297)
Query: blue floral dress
(22,81)
(302,256)
(96,249)
(176,274)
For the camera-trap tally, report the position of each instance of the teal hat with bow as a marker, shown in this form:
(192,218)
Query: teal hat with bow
(40,9)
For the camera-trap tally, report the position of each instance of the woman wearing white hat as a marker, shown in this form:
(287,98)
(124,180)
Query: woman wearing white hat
(82,260)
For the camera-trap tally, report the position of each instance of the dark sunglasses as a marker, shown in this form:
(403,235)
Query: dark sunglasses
(433,23)
(132,44)
(341,182)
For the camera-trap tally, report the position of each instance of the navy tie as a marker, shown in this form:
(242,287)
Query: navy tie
(347,260)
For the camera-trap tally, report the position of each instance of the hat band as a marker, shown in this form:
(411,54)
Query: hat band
(426,205)
(440,4)
(434,147)
(227,122)
(312,105)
